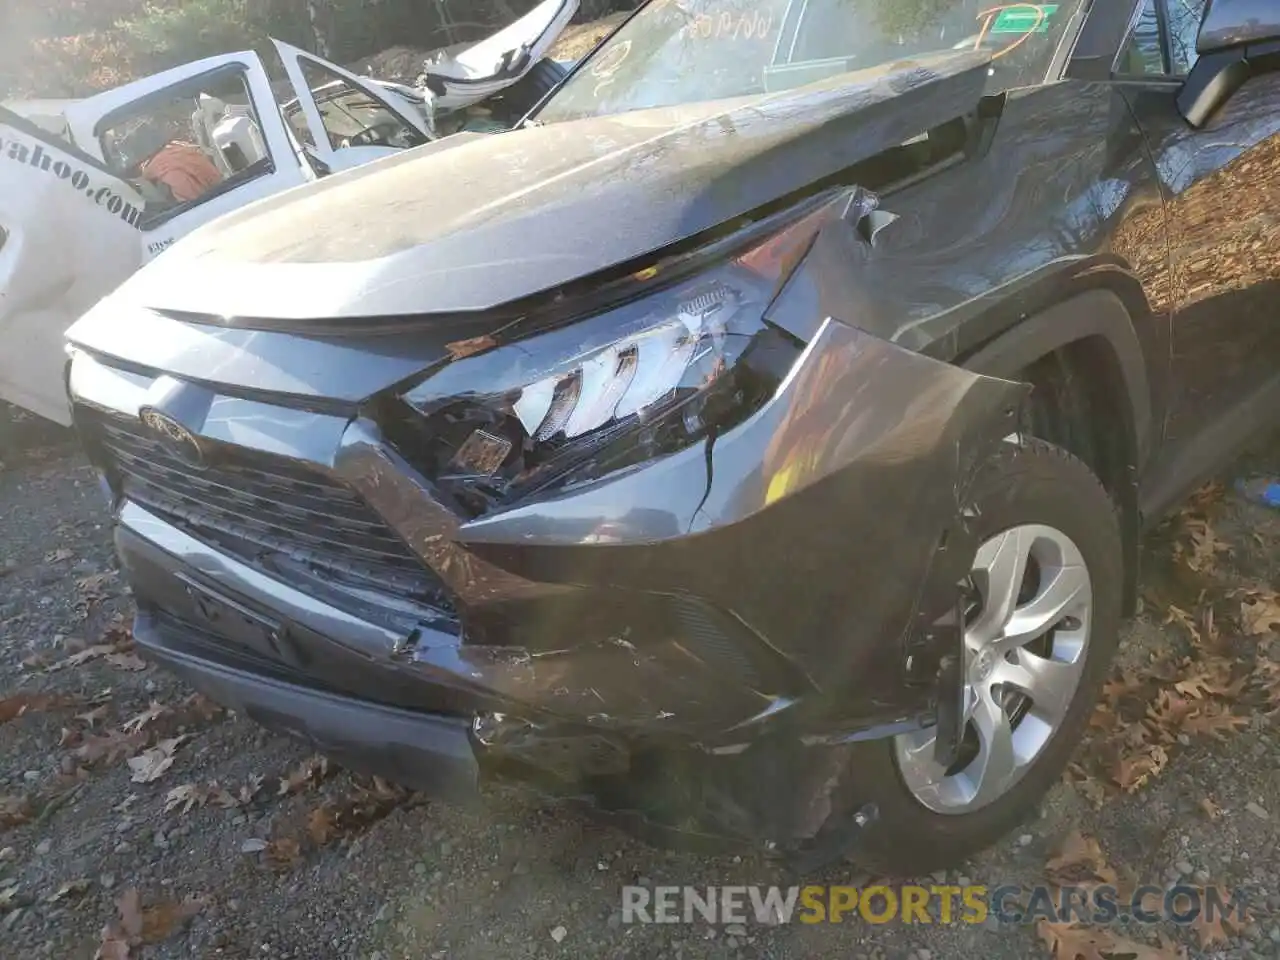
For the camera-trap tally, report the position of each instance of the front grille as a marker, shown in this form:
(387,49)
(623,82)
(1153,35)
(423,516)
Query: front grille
(257,505)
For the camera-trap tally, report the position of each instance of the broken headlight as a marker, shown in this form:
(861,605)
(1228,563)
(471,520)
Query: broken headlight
(639,381)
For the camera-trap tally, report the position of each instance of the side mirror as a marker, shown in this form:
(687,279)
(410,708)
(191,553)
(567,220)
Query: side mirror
(1238,39)
(1236,23)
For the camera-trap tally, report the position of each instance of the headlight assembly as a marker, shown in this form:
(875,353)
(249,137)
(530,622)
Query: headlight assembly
(638,381)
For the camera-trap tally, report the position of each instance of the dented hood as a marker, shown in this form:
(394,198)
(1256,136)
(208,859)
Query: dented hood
(473,223)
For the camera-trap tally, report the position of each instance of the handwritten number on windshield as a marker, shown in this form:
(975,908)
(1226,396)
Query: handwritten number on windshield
(727,26)
(607,67)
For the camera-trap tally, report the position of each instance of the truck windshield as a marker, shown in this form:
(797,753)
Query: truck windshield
(676,52)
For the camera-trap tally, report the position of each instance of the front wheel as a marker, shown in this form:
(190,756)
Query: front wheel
(1039,639)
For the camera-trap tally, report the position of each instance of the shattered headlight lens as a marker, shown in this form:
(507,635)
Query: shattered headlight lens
(638,381)
(695,337)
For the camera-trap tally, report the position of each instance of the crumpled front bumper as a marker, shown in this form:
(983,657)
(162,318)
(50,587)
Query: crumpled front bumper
(779,584)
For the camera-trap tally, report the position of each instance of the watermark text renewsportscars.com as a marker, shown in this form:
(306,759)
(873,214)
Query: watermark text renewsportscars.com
(31,153)
(936,904)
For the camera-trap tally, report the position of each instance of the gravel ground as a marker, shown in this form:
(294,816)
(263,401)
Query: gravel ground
(253,870)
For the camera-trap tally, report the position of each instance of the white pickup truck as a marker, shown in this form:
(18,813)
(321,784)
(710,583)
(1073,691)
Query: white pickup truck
(90,190)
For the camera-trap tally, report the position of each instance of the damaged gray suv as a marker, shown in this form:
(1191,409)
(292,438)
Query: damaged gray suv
(753,445)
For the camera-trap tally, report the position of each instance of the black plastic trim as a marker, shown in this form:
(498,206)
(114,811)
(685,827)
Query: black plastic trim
(422,751)
(1092,313)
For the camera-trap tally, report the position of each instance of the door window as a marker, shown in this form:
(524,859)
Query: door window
(1185,17)
(187,143)
(1163,39)
(351,116)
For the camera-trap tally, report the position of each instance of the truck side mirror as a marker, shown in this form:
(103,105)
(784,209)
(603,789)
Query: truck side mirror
(1238,39)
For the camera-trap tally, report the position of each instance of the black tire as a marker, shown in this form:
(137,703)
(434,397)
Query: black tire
(1029,482)
(525,94)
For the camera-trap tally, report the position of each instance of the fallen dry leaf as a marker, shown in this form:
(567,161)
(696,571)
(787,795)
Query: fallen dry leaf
(129,904)
(119,633)
(163,920)
(1079,858)
(14,811)
(1104,718)
(144,926)
(111,947)
(1209,931)
(1133,772)
(1185,620)
(250,789)
(93,586)
(200,706)
(1214,720)
(312,770)
(23,703)
(1210,809)
(322,826)
(1259,612)
(1135,736)
(186,796)
(1167,714)
(1213,639)
(126,661)
(1205,682)
(111,746)
(1166,669)
(1205,546)
(1093,789)
(72,888)
(283,854)
(94,716)
(221,797)
(1117,688)
(191,795)
(1069,942)
(146,717)
(57,556)
(459,349)
(81,658)
(1267,675)
(1207,495)
(150,765)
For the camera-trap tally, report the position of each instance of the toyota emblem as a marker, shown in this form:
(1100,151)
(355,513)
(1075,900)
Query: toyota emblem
(173,436)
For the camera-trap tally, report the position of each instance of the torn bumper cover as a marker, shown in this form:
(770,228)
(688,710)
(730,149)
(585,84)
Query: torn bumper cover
(657,643)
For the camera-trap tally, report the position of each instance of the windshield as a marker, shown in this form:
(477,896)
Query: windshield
(684,51)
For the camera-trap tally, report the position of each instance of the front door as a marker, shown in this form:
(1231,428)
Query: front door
(1220,184)
(68,235)
(197,141)
(359,122)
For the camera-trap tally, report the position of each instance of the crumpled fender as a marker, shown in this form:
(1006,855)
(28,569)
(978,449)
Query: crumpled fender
(832,523)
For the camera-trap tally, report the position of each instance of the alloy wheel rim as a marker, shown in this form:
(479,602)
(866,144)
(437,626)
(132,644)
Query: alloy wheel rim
(1025,650)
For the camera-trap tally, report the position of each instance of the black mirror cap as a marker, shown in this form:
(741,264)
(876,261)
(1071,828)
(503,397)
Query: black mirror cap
(1235,23)
(1217,76)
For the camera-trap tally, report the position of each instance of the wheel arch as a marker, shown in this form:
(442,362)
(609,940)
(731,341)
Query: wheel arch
(1086,363)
